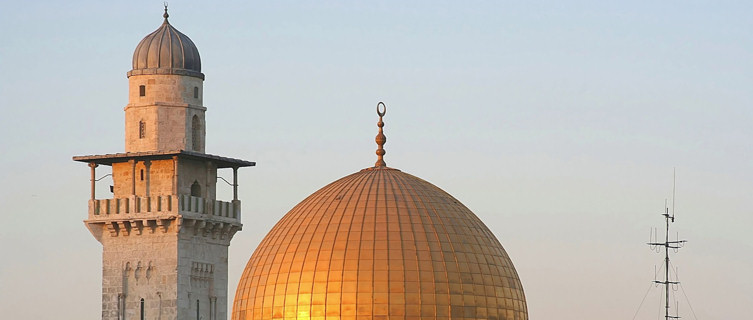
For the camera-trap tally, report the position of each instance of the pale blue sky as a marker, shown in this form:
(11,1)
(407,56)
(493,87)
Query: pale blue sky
(557,122)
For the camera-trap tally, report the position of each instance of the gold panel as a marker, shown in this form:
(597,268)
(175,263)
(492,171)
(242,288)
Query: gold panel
(380,244)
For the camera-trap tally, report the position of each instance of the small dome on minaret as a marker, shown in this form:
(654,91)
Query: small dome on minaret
(166,51)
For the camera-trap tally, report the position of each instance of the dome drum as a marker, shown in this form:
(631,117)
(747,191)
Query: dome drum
(176,71)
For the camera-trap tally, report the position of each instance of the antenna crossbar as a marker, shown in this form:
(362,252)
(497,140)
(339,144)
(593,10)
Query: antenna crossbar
(667,244)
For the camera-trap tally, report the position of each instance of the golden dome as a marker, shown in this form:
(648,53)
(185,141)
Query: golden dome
(380,244)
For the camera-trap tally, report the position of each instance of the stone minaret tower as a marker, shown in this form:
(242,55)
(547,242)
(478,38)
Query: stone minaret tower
(164,234)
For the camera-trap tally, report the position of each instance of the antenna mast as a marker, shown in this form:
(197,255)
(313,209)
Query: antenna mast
(677,244)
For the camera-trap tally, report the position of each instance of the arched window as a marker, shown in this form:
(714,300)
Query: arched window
(196,189)
(196,92)
(197,309)
(142,309)
(142,90)
(195,133)
(142,129)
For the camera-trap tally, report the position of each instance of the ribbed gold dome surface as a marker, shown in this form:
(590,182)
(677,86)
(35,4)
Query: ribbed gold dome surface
(380,244)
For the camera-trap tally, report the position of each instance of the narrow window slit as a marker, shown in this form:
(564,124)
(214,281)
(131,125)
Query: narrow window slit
(142,129)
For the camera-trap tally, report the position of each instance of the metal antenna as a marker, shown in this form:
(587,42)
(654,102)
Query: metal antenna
(674,183)
(677,244)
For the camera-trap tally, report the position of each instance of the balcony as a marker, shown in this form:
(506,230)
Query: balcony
(164,206)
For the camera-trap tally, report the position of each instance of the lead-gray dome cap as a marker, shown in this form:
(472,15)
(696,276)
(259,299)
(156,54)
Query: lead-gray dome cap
(166,51)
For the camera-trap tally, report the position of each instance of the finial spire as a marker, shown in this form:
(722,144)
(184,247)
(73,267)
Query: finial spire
(165,15)
(381,139)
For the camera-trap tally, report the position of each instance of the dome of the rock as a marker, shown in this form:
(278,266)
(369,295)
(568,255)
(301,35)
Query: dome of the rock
(380,244)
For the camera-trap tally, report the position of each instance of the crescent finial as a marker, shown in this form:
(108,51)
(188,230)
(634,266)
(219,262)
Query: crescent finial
(381,139)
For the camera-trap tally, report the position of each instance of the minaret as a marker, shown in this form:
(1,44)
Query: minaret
(164,234)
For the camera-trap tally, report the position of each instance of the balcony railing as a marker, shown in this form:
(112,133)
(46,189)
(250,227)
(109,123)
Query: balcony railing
(164,204)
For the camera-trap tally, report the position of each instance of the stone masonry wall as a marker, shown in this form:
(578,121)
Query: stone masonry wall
(136,267)
(167,111)
(190,171)
(160,176)
(202,276)
(170,270)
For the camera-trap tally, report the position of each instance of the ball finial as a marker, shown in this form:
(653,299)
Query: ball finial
(165,15)
(381,139)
